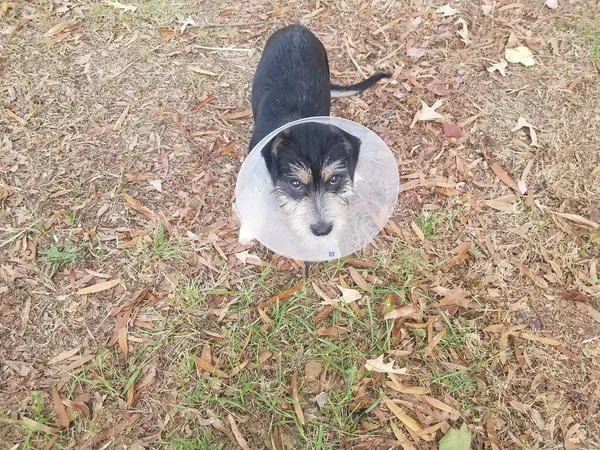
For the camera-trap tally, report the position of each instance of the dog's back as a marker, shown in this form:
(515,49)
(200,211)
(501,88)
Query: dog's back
(291,81)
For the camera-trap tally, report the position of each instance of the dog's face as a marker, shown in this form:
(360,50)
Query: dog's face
(312,168)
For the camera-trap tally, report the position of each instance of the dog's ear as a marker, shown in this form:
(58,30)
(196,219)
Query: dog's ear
(270,154)
(352,146)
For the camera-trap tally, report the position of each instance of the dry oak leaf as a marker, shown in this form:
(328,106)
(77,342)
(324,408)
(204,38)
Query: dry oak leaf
(454,297)
(349,295)
(446,11)
(377,365)
(403,311)
(500,67)
(246,258)
(427,113)
(520,55)
(521,123)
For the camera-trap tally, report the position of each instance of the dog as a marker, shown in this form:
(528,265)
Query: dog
(311,165)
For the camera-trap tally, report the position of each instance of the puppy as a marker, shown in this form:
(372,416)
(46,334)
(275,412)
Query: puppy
(311,165)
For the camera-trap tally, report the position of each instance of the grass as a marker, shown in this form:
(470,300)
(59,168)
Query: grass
(164,248)
(58,257)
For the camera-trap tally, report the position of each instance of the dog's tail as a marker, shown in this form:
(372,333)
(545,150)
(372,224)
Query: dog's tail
(348,91)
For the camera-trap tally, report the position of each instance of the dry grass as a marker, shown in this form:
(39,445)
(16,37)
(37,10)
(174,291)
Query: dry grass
(111,169)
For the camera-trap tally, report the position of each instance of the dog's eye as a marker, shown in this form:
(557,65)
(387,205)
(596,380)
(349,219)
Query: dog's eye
(335,179)
(295,184)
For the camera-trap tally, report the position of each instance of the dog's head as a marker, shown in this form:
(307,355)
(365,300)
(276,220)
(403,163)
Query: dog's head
(312,168)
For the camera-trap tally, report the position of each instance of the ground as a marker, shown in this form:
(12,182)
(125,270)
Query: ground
(130,317)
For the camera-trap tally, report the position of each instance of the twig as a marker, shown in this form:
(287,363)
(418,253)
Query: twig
(224,25)
(353,60)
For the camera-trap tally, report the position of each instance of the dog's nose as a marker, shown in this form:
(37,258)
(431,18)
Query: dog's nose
(321,228)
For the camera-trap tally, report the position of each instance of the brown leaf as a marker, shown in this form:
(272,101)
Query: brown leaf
(63,355)
(441,405)
(579,220)
(30,423)
(505,178)
(119,123)
(408,421)
(455,297)
(228,148)
(313,369)
(266,319)
(592,312)
(99,287)
(201,71)
(296,399)
(529,273)
(50,444)
(358,279)
(281,295)
(123,340)
(264,356)
(59,408)
(435,341)
(246,258)
(206,354)
(402,312)
(574,296)
(207,367)
(236,433)
(237,115)
(130,393)
(569,435)
(56,29)
(452,130)
(278,439)
(332,331)
(135,204)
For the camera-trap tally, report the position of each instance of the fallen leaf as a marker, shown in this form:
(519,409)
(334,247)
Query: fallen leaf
(446,11)
(487,9)
(452,130)
(59,408)
(313,369)
(296,399)
(130,395)
(119,123)
(207,367)
(435,341)
(415,52)
(50,444)
(56,29)
(464,31)
(156,184)
(332,331)
(592,312)
(455,297)
(552,4)
(236,433)
(522,122)
(135,204)
(579,220)
(569,437)
(199,70)
(281,295)
(99,287)
(408,421)
(38,426)
(427,113)
(238,115)
(321,399)
(456,439)
(246,258)
(401,437)
(505,203)
(63,355)
(519,55)
(358,279)
(505,178)
(228,148)
(122,339)
(377,365)
(123,6)
(349,295)
(403,311)
(500,67)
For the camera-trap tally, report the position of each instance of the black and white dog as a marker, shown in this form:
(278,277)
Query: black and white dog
(311,165)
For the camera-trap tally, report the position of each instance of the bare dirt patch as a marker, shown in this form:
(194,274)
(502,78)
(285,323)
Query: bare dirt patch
(129,313)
